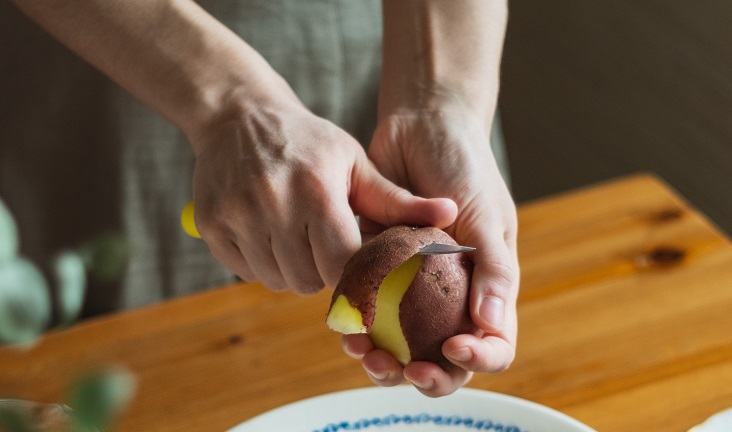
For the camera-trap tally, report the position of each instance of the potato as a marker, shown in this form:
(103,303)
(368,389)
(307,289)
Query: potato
(409,304)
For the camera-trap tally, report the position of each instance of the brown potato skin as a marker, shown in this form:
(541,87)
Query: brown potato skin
(435,306)
(365,270)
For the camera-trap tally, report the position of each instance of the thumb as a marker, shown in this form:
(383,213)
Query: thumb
(378,199)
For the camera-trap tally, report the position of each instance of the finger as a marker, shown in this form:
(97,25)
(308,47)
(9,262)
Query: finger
(494,286)
(380,200)
(488,354)
(356,345)
(257,252)
(366,237)
(294,258)
(228,254)
(369,227)
(432,381)
(334,239)
(382,368)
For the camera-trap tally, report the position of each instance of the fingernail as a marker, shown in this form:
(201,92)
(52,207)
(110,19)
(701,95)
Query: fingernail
(379,376)
(347,349)
(424,385)
(350,353)
(492,312)
(461,355)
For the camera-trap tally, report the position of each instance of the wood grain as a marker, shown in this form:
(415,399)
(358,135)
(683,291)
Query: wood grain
(624,319)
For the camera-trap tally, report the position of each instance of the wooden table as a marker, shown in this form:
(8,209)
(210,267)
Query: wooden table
(625,323)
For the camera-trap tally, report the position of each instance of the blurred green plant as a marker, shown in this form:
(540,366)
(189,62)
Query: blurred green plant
(98,397)
(25,301)
(26,312)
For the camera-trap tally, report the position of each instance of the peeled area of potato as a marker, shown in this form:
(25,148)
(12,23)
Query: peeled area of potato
(409,304)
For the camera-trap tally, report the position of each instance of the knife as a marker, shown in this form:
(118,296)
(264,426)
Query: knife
(434,248)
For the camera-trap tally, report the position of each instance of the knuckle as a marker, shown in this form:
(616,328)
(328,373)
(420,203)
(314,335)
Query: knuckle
(503,277)
(208,225)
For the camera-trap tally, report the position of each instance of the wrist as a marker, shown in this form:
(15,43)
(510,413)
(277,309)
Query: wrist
(227,101)
(434,99)
(437,52)
(223,81)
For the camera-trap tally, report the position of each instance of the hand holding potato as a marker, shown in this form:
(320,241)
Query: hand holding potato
(275,190)
(438,95)
(446,153)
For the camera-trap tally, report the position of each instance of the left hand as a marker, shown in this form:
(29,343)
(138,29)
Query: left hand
(445,152)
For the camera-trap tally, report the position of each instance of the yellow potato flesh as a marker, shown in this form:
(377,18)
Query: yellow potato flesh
(386,330)
(345,318)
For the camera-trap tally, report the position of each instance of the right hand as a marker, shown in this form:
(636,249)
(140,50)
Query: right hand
(276,189)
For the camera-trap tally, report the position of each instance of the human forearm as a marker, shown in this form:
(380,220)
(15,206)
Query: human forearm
(437,100)
(170,54)
(434,48)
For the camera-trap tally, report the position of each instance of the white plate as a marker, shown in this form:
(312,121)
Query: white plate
(719,422)
(402,408)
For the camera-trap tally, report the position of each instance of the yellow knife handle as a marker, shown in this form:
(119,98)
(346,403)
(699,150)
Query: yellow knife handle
(187,221)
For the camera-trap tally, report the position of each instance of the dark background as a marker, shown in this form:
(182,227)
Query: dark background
(592,90)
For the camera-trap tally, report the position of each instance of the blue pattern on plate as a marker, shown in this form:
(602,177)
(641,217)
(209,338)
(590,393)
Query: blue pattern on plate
(438,420)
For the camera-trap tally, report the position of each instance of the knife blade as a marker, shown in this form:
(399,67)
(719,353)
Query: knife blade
(436,248)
